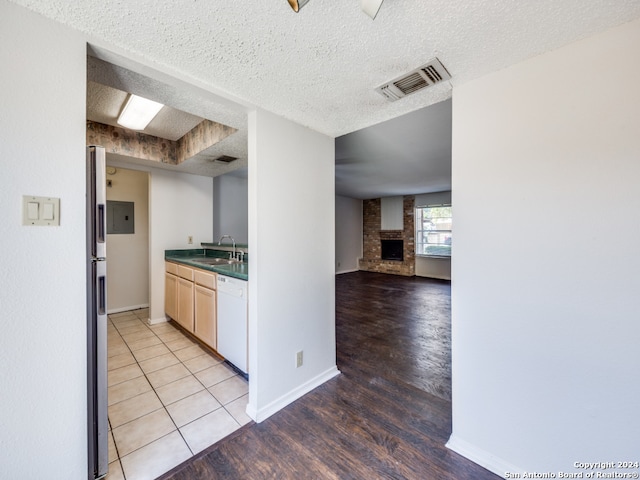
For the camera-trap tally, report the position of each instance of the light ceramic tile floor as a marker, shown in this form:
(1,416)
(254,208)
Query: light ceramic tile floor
(168,398)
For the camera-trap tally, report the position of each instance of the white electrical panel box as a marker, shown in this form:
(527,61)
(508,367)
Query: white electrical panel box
(40,211)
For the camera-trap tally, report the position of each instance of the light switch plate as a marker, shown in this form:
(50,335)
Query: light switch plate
(40,211)
(47,211)
(32,210)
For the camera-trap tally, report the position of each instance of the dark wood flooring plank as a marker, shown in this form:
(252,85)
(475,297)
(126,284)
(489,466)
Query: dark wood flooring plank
(338,442)
(392,431)
(387,416)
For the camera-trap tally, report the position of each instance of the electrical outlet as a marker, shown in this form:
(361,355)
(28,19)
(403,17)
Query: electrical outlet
(190,240)
(299,359)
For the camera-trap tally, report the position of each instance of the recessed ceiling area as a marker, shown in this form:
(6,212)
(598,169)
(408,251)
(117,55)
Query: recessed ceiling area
(104,106)
(108,88)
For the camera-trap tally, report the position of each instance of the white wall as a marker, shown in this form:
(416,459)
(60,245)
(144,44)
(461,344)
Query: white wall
(546,324)
(128,255)
(428,266)
(231,208)
(43,399)
(180,205)
(348,234)
(392,213)
(291,274)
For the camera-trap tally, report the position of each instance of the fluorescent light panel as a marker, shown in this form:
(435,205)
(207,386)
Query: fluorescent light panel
(138,113)
(371,7)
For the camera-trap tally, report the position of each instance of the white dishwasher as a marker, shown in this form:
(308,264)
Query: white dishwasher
(232,321)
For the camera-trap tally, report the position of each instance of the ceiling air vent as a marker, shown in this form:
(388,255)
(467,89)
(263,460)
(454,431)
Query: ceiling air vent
(225,159)
(422,77)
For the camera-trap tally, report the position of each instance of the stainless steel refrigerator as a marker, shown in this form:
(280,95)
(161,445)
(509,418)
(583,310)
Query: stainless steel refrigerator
(97,312)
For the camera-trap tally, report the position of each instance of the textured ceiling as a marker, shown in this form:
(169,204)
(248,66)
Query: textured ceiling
(319,67)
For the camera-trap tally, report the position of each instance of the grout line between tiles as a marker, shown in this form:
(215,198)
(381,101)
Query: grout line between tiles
(144,374)
(152,389)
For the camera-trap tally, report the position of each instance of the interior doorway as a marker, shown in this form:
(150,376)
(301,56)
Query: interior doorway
(128,265)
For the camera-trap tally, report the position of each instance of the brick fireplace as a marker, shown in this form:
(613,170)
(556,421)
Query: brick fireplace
(372,236)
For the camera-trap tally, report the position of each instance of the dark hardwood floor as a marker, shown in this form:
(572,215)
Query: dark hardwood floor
(387,416)
(399,328)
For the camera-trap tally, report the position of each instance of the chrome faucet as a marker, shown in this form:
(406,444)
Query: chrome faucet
(233,255)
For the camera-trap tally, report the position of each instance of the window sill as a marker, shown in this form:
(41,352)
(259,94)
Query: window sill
(443,257)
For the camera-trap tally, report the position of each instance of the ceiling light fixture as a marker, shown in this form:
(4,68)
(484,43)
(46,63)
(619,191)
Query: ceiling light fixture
(138,112)
(371,7)
(297,4)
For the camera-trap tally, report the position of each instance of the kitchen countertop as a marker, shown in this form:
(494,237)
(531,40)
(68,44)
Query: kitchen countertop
(187,257)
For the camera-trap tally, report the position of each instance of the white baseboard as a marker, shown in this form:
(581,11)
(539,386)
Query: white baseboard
(251,412)
(296,393)
(155,321)
(483,458)
(437,277)
(347,271)
(126,309)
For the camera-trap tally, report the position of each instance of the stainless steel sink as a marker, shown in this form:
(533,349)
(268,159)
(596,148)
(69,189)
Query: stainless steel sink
(215,261)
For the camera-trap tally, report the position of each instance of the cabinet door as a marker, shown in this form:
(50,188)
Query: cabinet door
(205,321)
(185,304)
(171,295)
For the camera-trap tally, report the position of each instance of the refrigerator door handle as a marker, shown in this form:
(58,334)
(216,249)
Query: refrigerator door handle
(99,198)
(101,222)
(102,295)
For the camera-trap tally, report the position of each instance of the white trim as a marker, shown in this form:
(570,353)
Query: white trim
(279,403)
(156,321)
(126,309)
(251,411)
(435,277)
(434,205)
(348,271)
(483,458)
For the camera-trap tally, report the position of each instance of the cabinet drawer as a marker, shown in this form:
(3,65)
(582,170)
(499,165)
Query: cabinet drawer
(206,279)
(171,268)
(185,272)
